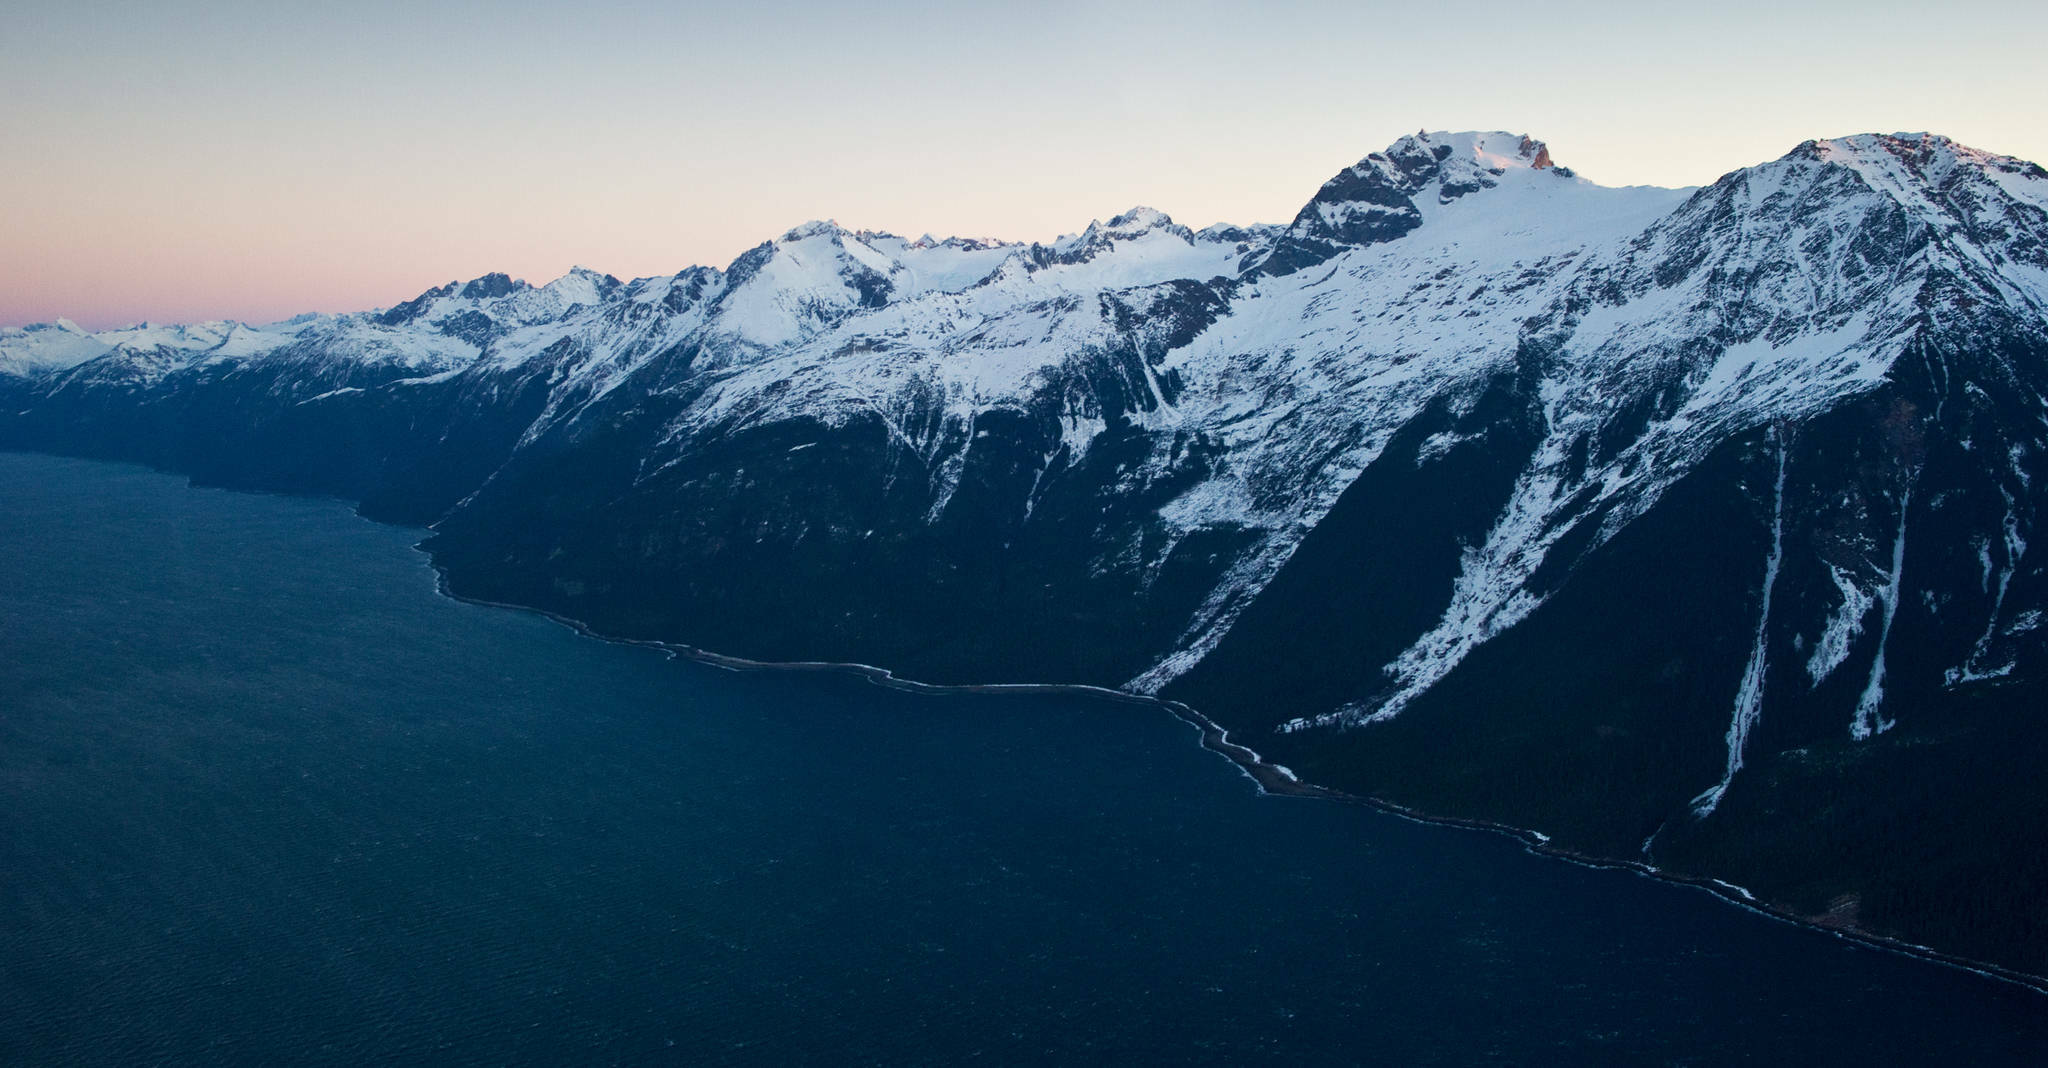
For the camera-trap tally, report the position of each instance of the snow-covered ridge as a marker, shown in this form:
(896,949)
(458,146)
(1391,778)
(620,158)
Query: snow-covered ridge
(1669,320)
(1385,195)
(1769,296)
(1453,162)
(818,263)
(1706,501)
(779,294)
(1386,192)
(30,350)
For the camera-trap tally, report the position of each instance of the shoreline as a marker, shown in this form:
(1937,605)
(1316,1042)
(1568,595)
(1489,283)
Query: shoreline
(1270,778)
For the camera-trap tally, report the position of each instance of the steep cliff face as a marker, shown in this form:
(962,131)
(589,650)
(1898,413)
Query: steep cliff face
(1689,526)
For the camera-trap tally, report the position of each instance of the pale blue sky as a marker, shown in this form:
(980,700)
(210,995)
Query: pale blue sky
(183,160)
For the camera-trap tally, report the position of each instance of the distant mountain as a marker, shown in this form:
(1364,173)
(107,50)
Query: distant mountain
(1686,527)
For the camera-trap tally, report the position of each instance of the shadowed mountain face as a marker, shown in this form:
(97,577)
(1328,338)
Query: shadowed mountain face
(1688,526)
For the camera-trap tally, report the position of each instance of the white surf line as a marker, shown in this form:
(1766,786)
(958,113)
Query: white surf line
(1743,890)
(1868,721)
(1269,778)
(1216,740)
(1749,699)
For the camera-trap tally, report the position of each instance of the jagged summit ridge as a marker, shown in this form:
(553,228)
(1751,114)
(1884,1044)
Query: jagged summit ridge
(1667,488)
(1931,156)
(1571,249)
(819,275)
(1390,193)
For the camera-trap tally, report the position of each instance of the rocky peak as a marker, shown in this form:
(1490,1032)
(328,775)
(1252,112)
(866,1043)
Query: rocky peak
(814,228)
(493,285)
(1996,204)
(1139,220)
(1134,224)
(1929,155)
(400,314)
(583,286)
(1374,199)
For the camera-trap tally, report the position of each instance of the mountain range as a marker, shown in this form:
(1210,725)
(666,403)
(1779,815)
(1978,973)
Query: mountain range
(1682,527)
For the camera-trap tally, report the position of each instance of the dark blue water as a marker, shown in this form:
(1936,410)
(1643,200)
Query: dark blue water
(266,798)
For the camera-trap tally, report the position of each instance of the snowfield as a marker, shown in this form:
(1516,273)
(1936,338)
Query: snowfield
(1661,322)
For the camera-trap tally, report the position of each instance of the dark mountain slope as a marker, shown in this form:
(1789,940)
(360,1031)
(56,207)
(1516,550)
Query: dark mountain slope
(1687,527)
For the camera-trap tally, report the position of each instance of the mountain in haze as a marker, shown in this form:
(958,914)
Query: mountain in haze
(1686,527)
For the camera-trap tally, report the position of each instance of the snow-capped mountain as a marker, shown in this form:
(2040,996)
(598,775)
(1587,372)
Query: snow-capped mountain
(26,351)
(1683,526)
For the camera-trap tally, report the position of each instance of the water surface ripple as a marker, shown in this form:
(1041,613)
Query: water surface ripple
(266,798)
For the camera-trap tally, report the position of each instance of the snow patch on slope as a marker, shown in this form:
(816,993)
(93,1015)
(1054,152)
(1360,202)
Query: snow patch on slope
(1868,719)
(1843,626)
(1749,697)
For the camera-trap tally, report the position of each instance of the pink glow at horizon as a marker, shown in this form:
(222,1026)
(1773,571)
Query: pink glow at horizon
(178,162)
